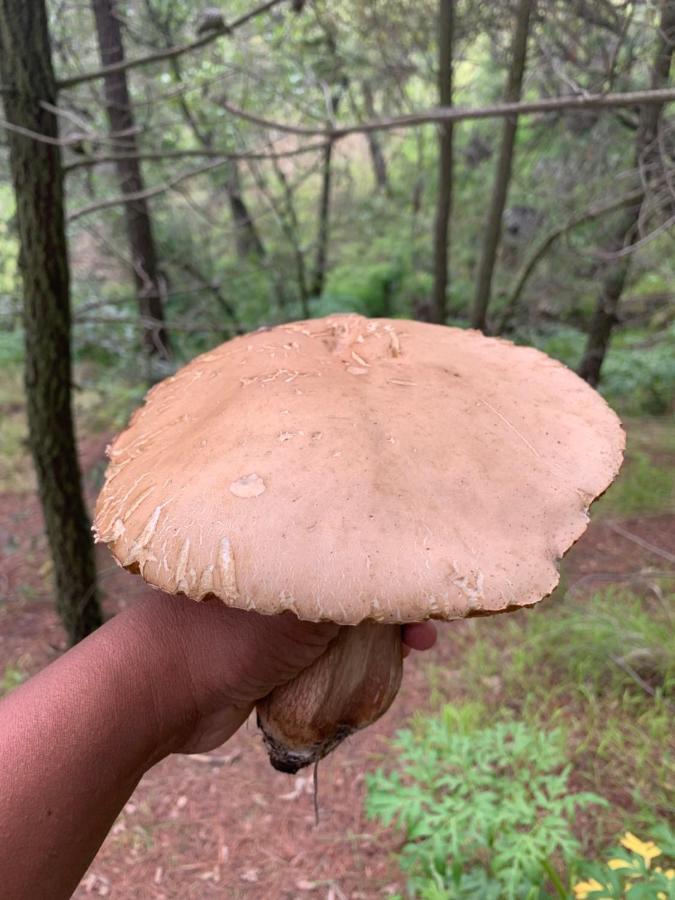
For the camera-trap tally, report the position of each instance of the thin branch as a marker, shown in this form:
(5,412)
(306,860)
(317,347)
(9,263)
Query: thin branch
(463,113)
(71,140)
(121,200)
(636,539)
(148,322)
(607,255)
(424,117)
(630,671)
(185,154)
(170,52)
(542,248)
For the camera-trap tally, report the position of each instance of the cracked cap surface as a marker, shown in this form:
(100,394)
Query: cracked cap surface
(348,468)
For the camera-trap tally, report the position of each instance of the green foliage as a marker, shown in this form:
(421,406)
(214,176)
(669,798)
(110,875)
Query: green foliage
(484,810)
(637,379)
(643,487)
(9,246)
(11,678)
(603,666)
(11,347)
(582,645)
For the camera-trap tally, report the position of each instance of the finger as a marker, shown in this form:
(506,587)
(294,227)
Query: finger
(419,635)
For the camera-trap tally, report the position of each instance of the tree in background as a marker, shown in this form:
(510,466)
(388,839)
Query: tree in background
(336,83)
(648,166)
(29,100)
(374,144)
(142,246)
(493,224)
(446,24)
(248,241)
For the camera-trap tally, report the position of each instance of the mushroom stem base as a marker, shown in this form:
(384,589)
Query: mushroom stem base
(348,688)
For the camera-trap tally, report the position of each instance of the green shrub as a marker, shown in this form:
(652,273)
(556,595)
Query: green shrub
(585,646)
(638,374)
(485,811)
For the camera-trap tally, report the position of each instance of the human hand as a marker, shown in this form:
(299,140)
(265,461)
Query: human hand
(226,659)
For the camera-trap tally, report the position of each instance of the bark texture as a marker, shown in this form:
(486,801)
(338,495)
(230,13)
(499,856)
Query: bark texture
(374,143)
(139,226)
(247,238)
(321,260)
(500,189)
(647,162)
(26,70)
(438,310)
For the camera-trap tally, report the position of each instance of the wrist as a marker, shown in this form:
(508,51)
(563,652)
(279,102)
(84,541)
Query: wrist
(173,644)
(147,642)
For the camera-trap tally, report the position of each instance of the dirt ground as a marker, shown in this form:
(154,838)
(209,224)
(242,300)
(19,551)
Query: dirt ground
(225,824)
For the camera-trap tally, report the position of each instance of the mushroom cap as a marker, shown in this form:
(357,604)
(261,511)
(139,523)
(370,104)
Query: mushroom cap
(348,468)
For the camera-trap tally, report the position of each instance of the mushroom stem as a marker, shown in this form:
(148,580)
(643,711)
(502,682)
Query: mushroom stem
(348,688)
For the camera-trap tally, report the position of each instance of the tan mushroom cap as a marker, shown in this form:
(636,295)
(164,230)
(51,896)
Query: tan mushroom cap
(346,468)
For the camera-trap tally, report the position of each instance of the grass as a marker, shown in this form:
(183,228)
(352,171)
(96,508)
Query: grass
(646,484)
(603,669)
(12,677)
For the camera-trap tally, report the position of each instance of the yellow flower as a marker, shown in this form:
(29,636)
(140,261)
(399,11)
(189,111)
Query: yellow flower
(583,888)
(646,849)
(669,873)
(619,864)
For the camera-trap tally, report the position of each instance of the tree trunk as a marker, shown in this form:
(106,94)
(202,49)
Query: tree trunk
(647,160)
(247,239)
(321,260)
(374,145)
(319,276)
(26,68)
(139,226)
(493,226)
(438,311)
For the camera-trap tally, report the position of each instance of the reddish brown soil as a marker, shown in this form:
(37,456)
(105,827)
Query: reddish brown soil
(225,824)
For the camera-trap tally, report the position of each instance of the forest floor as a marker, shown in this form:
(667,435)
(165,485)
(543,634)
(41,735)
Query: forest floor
(226,825)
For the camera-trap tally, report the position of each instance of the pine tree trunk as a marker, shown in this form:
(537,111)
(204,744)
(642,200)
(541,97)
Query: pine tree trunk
(493,226)
(321,260)
(247,239)
(26,70)
(647,159)
(139,226)
(374,145)
(438,311)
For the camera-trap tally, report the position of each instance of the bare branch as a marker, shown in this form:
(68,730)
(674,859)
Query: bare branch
(170,52)
(463,113)
(148,322)
(542,248)
(636,539)
(424,117)
(69,141)
(185,154)
(143,195)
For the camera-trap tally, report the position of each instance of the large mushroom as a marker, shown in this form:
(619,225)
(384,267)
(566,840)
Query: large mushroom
(366,472)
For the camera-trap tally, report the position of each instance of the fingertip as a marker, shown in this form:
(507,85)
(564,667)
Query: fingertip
(419,635)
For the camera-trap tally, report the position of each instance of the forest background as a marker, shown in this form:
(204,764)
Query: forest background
(172,176)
